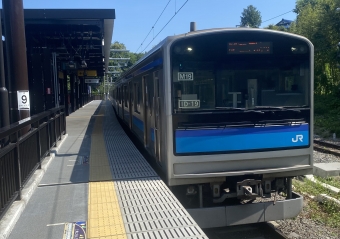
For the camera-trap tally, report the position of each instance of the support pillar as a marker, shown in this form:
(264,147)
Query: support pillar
(72,82)
(81,91)
(86,93)
(4,105)
(16,55)
(67,113)
(76,86)
(61,85)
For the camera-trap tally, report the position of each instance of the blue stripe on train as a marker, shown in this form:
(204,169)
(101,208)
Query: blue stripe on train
(152,133)
(138,123)
(215,140)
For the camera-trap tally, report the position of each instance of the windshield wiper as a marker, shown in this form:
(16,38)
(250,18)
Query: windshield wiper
(228,108)
(282,108)
(239,109)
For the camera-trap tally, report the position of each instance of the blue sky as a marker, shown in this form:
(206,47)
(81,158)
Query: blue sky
(135,18)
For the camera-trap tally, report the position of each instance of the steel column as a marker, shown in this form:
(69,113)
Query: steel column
(81,90)
(76,85)
(72,82)
(66,94)
(16,55)
(4,105)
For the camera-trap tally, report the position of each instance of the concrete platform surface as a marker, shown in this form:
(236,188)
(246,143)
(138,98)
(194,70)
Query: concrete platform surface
(326,169)
(62,193)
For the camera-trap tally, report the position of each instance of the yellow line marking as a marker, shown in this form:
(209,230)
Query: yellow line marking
(104,216)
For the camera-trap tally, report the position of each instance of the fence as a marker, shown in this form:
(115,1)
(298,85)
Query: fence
(22,153)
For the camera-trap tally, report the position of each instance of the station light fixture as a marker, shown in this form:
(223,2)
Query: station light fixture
(71,64)
(83,64)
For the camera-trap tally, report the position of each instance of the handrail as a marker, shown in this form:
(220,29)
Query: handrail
(22,153)
(8,130)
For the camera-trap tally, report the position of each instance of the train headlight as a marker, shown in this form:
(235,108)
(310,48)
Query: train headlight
(298,49)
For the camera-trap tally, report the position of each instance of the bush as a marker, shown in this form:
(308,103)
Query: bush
(327,114)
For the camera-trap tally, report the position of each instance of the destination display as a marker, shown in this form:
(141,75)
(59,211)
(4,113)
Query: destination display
(250,47)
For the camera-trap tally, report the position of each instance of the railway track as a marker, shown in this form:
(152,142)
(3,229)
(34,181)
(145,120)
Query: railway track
(326,147)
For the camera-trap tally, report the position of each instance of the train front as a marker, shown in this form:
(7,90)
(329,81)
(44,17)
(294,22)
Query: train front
(241,112)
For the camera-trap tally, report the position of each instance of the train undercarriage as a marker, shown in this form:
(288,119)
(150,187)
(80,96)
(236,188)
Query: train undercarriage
(240,200)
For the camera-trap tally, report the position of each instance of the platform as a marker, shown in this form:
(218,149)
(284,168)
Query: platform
(100,184)
(326,169)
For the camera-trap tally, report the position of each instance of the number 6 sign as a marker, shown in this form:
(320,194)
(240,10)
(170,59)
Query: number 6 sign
(23,100)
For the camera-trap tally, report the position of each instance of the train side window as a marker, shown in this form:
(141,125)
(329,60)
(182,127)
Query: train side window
(120,95)
(136,100)
(125,96)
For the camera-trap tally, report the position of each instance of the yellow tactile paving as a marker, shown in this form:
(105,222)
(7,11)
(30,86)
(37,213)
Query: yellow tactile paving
(104,216)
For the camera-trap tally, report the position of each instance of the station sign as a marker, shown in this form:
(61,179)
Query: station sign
(92,81)
(87,73)
(23,97)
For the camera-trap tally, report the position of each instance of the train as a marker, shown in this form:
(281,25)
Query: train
(227,115)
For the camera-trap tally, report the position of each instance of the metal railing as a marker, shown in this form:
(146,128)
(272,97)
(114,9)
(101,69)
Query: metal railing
(21,154)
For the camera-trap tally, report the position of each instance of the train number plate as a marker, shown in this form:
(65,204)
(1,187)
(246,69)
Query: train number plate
(185,76)
(189,104)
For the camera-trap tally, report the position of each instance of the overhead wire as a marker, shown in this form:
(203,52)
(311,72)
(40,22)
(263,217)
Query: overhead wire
(152,28)
(165,25)
(277,16)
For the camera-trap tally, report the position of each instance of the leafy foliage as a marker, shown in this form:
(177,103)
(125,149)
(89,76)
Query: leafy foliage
(319,21)
(300,4)
(251,17)
(277,28)
(134,57)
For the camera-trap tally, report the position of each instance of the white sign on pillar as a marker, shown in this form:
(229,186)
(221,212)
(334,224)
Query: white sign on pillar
(23,100)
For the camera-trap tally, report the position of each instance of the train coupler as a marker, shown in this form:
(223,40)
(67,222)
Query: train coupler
(249,189)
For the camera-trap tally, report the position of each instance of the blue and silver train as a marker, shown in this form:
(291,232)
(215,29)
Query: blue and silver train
(227,114)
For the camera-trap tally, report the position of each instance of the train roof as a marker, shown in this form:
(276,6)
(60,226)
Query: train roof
(198,32)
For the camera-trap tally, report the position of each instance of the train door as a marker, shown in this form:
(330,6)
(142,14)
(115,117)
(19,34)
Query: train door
(145,107)
(156,116)
(119,100)
(130,103)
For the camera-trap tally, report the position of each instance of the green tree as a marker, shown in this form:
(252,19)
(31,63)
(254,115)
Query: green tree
(320,23)
(300,4)
(277,28)
(251,17)
(134,57)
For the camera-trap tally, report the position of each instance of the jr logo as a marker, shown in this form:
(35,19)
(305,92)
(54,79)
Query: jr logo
(298,137)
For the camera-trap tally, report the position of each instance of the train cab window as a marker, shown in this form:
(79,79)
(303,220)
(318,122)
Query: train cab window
(215,72)
(194,85)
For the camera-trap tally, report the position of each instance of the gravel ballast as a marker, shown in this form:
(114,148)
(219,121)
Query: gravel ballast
(303,226)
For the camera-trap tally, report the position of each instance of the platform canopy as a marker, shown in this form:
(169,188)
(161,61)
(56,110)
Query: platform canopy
(81,38)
